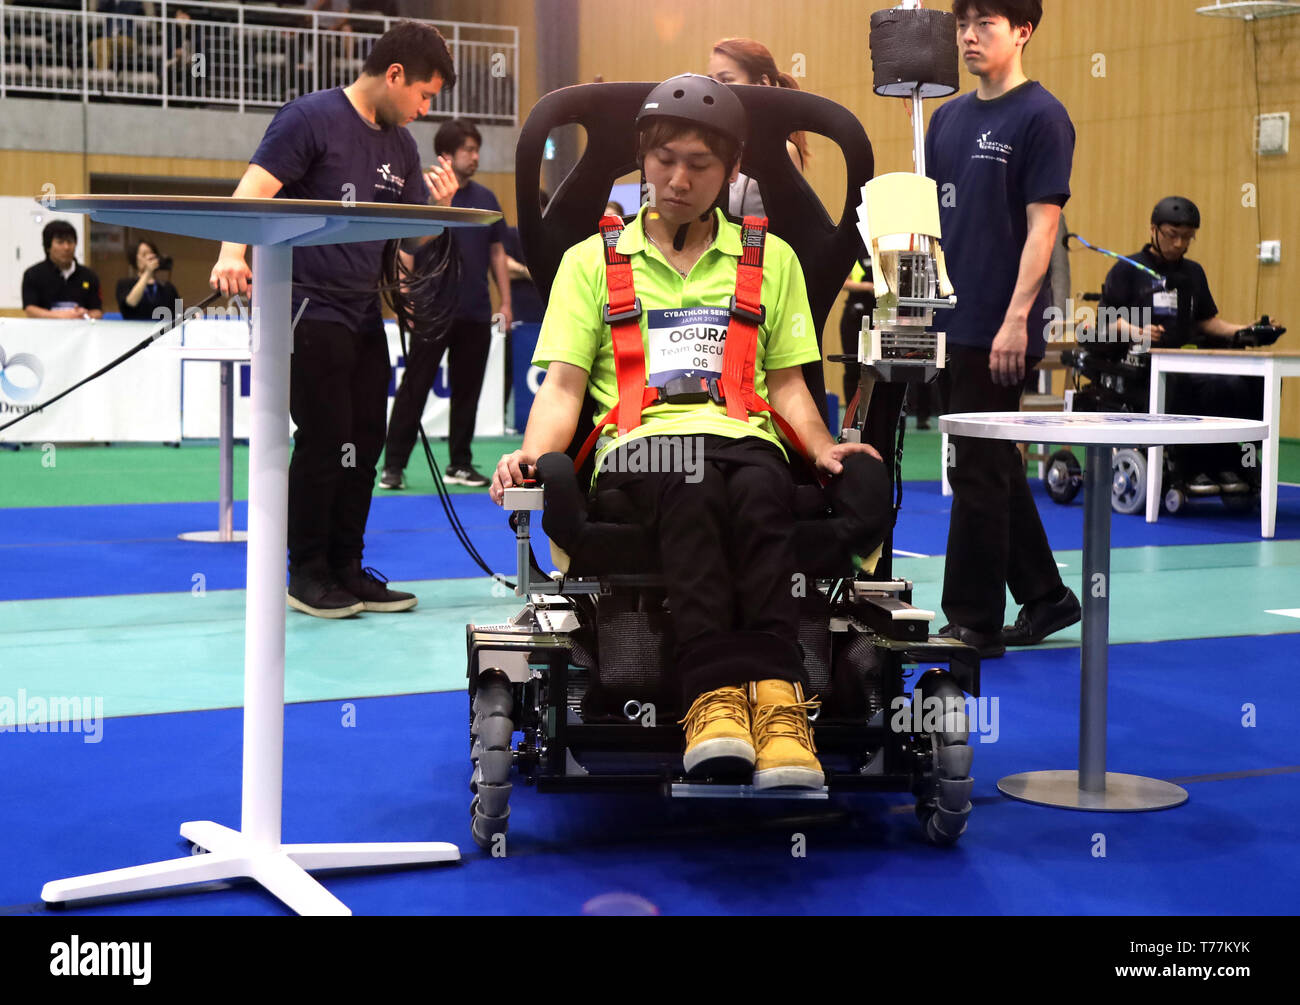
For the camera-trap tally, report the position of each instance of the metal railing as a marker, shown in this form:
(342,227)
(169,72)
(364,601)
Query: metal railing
(232,55)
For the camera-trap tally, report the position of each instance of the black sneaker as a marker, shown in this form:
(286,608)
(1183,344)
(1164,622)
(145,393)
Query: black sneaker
(314,590)
(370,587)
(988,644)
(1041,618)
(466,476)
(392,479)
(1202,485)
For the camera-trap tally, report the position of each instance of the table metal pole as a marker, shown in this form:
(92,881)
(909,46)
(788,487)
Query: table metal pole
(225,517)
(1091,787)
(268,509)
(1095,631)
(225,532)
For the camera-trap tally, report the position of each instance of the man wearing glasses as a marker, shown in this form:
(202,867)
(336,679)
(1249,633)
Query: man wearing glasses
(1175,311)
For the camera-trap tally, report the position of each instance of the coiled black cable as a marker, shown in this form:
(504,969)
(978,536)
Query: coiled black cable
(422,296)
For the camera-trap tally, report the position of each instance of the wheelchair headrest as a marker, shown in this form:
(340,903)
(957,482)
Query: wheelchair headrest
(826,249)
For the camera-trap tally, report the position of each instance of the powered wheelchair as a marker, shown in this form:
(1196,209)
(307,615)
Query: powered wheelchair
(1119,380)
(576,692)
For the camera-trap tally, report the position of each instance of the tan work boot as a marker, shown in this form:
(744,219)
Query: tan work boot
(718,735)
(787,756)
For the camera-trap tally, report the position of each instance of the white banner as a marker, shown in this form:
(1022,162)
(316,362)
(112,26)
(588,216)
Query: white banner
(139,400)
(201,384)
(158,395)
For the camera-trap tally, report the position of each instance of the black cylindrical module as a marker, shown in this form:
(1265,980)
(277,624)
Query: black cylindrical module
(910,47)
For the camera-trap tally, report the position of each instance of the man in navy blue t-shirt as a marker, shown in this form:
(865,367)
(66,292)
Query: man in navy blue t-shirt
(1001,157)
(347,143)
(469,336)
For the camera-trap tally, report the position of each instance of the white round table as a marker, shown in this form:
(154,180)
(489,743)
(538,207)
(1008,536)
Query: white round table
(1092,787)
(274,227)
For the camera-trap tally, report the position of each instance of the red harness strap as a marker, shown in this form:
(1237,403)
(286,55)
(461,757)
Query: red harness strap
(623,314)
(740,351)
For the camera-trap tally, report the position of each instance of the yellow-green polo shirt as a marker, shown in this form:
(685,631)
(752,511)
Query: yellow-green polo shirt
(573,330)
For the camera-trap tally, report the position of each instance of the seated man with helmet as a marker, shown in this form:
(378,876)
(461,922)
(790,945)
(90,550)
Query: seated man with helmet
(1173,308)
(689,332)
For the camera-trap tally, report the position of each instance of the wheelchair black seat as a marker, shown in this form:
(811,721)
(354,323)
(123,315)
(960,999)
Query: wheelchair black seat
(606,534)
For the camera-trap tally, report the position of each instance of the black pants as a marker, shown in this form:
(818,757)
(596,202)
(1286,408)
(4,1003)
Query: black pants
(1228,396)
(726,545)
(338,396)
(467,344)
(995,537)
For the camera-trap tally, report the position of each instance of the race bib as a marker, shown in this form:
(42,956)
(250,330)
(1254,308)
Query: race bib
(686,341)
(1164,304)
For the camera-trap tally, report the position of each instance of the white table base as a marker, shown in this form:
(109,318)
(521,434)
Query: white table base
(231,854)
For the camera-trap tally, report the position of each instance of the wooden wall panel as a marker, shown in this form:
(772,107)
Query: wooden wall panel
(1163,101)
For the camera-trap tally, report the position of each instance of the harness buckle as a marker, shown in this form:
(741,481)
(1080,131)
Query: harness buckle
(631,314)
(686,390)
(745,314)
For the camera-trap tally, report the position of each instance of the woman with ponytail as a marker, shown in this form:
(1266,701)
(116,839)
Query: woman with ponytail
(745,61)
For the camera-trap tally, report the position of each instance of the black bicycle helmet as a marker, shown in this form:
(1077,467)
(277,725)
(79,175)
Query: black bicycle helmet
(692,97)
(1176,211)
(701,101)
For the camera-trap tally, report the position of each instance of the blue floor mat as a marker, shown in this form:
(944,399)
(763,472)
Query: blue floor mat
(80,551)
(923,521)
(399,774)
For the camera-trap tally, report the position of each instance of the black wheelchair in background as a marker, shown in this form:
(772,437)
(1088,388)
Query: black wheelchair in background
(1119,380)
(576,692)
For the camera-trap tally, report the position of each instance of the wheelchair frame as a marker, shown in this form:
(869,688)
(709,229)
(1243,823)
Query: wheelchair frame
(528,676)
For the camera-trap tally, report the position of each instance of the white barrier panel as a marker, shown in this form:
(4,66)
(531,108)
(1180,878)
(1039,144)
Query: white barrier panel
(147,400)
(201,384)
(139,400)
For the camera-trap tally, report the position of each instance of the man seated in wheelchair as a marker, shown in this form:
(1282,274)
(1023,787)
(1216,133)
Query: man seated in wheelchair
(713,484)
(1177,310)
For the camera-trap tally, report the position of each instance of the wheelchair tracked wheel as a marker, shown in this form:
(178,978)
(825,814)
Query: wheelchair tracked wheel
(944,787)
(1175,500)
(1064,477)
(491,726)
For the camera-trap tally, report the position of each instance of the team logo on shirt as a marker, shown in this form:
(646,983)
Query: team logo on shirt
(388,181)
(993,146)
